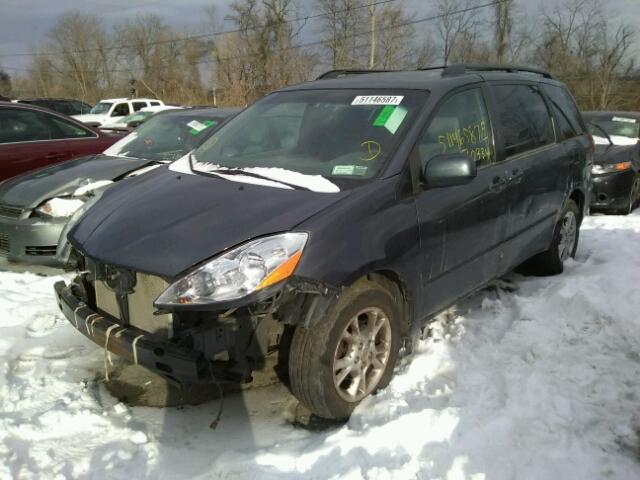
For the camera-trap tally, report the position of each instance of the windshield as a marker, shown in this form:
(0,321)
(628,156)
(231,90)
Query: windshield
(165,137)
(622,130)
(100,108)
(345,136)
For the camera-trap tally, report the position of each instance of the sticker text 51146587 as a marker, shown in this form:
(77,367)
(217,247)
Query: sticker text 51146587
(377,100)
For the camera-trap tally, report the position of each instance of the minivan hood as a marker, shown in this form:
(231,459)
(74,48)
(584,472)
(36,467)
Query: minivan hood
(165,222)
(33,188)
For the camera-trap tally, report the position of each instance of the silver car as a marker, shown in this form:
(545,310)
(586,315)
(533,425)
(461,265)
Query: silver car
(37,208)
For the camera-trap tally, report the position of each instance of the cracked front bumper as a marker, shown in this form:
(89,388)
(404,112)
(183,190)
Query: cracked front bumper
(177,363)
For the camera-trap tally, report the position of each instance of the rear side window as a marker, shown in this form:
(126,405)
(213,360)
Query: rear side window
(138,105)
(120,110)
(155,104)
(69,130)
(563,103)
(23,126)
(461,125)
(523,118)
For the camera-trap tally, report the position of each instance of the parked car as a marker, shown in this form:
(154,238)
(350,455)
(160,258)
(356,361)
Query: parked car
(326,222)
(33,137)
(60,105)
(112,109)
(130,122)
(35,208)
(616,168)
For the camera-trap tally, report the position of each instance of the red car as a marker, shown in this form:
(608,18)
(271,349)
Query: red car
(33,137)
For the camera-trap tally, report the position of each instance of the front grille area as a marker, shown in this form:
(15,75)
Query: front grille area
(10,211)
(140,303)
(40,251)
(4,244)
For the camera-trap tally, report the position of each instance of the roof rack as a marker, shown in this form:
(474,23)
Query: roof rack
(463,68)
(342,73)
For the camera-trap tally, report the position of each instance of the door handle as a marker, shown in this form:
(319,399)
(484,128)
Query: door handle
(497,184)
(516,175)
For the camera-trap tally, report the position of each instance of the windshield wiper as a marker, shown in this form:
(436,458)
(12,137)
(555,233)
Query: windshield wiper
(603,131)
(239,171)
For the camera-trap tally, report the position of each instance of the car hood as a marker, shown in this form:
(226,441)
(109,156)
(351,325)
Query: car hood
(165,222)
(606,154)
(33,188)
(90,117)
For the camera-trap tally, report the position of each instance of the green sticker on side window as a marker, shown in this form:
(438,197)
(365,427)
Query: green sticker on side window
(390,117)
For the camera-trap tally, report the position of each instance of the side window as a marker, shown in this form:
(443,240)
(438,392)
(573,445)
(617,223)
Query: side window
(138,105)
(155,104)
(23,126)
(120,110)
(565,107)
(461,125)
(69,130)
(523,118)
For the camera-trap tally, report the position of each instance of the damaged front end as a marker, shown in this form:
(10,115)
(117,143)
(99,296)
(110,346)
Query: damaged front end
(114,307)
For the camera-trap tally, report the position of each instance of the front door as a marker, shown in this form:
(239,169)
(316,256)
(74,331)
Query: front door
(461,227)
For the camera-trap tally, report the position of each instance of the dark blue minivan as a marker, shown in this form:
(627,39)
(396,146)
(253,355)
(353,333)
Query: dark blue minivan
(325,223)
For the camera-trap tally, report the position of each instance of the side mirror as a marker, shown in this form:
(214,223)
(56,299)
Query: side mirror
(447,170)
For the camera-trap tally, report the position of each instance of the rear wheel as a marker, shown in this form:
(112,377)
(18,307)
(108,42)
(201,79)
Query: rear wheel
(347,355)
(564,243)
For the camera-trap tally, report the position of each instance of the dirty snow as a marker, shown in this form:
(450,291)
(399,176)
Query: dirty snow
(538,383)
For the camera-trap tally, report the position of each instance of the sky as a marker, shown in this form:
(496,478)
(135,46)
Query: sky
(25,22)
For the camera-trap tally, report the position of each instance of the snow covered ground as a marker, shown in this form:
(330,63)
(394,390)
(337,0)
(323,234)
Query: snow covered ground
(540,383)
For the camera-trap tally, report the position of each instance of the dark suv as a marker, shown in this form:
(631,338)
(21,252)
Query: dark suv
(325,223)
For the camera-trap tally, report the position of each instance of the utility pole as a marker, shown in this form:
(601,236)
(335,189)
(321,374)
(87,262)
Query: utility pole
(372,18)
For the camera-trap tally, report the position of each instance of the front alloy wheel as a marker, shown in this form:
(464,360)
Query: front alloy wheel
(362,354)
(348,354)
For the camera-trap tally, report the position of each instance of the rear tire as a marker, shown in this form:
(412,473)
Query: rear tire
(347,355)
(564,243)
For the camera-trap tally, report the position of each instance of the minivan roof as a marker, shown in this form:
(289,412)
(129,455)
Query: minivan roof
(427,79)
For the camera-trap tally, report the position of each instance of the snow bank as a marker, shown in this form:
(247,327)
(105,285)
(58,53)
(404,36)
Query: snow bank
(541,383)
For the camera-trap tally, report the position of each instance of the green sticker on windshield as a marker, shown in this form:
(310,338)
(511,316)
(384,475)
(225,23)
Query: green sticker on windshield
(197,127)
(383,116)
(391,118)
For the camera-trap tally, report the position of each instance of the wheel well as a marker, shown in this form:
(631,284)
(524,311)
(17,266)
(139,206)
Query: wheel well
(578,197)
(392,282)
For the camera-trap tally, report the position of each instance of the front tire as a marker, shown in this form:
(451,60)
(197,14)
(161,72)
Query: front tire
(349,354)
(632,200)
(564,243)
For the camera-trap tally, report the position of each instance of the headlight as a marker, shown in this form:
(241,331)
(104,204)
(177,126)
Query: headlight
(239,272)
(610,167)
(60,207)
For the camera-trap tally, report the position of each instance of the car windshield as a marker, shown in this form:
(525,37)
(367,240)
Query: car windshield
(622,130)
(345,136)
(100,108)
(165,137)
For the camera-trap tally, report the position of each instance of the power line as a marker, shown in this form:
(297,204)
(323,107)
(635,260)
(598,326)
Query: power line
(200,36)
(316,42)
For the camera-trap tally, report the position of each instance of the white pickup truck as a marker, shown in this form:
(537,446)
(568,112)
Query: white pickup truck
(111,110)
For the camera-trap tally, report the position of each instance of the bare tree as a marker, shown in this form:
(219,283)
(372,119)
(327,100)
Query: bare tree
(341,29)
(581,45)
(454,24)
(503,21)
